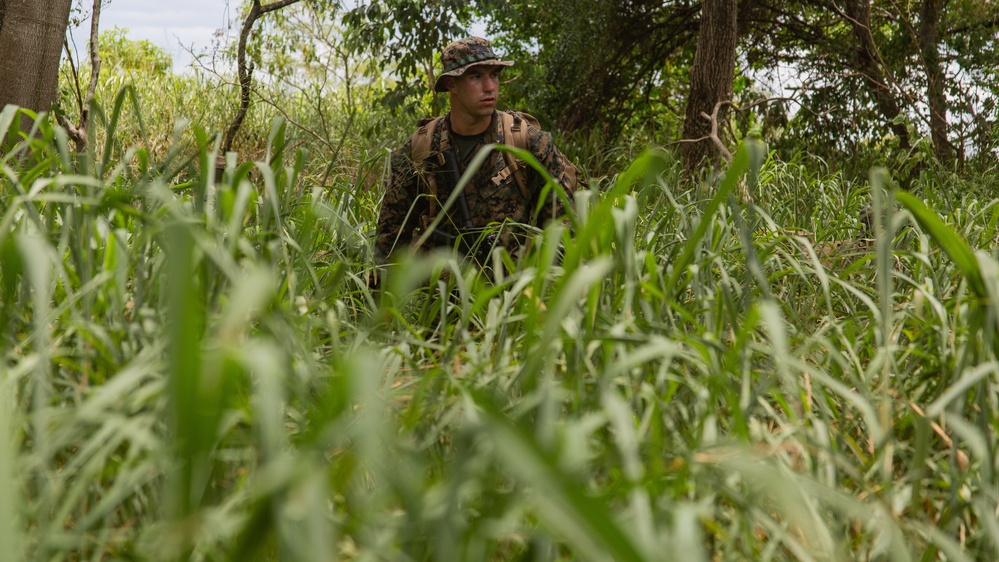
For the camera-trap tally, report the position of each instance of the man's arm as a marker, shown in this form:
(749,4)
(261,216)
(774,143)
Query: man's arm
(559,167)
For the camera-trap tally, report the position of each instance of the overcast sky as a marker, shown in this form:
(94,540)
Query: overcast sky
(170,24)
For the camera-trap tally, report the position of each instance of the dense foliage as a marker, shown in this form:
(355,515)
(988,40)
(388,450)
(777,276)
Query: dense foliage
(789,360)
(899,73)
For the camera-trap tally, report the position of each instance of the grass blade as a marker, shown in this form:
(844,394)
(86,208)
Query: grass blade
(587,525)
(738,167)
(947,238)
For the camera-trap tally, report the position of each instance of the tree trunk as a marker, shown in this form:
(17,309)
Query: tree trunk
(929,23)
(711,78)
(31,39)
(868,65)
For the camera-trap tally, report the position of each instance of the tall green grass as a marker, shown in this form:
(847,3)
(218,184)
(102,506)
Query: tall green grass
(196,369)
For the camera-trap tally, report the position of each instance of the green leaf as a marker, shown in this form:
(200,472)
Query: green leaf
(9,532)
(585,522)
(947,238)
(739,166)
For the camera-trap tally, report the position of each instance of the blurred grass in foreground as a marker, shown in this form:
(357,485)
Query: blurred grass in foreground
(196,369)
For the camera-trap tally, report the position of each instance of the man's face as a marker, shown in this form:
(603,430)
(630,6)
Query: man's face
(475,92)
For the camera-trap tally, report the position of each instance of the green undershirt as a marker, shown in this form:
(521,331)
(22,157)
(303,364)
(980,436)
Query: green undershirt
(466,146)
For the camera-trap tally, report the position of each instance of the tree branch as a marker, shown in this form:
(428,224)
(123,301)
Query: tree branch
(95,57)
(713,135)
(244,70)
(76,75)
(981,25)
(79,132)
(275,6)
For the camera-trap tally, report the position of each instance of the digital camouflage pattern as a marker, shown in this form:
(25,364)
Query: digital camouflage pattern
(405,207)
(464,54)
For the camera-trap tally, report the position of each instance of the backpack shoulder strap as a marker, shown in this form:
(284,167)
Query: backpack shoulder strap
(420,143)
(515,126)
(422,139)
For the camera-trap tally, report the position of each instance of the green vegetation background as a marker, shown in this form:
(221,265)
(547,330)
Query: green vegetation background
(194,367)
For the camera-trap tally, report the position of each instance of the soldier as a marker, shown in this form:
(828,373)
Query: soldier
(503,192)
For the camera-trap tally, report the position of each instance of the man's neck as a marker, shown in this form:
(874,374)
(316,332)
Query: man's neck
(464,124)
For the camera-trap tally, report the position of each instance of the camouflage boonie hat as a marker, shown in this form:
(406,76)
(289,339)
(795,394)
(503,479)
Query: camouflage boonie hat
(464,54)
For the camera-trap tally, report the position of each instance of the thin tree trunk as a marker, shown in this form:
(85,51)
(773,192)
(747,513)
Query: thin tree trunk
(245,69)
(711,77)
(79,132)
(31,38)
(868,64)
(929,22)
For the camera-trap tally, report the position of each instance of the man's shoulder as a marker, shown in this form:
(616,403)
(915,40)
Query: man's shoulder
(526,132)
(521,117)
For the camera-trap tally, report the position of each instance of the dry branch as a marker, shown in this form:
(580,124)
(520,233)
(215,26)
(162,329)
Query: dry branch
(244,69)
(78,132)
(714,136)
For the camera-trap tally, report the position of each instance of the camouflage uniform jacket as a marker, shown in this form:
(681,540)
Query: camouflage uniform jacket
(405,207)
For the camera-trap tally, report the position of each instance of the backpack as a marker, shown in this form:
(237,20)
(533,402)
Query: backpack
(514,125)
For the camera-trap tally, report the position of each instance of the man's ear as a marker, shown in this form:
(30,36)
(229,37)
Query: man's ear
(448,83)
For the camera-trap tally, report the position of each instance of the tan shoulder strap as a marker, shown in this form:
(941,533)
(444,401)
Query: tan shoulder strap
(422,139)
(515,135)
(420,143)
